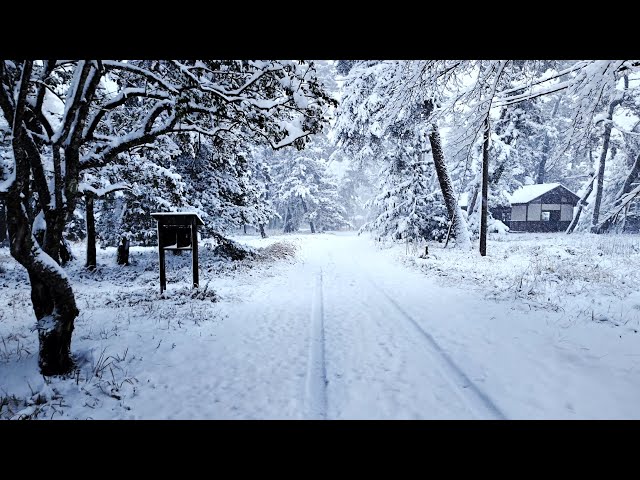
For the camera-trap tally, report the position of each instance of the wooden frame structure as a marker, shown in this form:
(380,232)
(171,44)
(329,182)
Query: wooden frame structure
(177,231)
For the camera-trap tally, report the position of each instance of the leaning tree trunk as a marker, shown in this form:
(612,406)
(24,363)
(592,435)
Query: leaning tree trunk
(91,232)
(603,156)
(52,297)
(485,190)
(600,177)
(631,178)
(581,204)
(627,187)
(472,201)
(455,216)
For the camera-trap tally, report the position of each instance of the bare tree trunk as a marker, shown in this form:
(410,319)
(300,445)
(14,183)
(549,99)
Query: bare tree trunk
(123,252)
(3,223)
(453,209)
(485,190)
(603,157)
(91,232)
(262,232)
(600,176)
(581,204)
(287,215)
(304,208)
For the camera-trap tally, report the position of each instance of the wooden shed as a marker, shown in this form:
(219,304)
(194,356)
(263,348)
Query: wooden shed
(544,207)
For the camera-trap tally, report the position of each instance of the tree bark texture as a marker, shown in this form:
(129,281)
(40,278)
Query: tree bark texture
(123,252)
(52,297)
(627,187)
(581,204)
(485,190)
(603,157)
(457,220)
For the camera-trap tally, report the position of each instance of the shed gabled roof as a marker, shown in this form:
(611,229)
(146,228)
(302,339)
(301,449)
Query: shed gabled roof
(529,193)
(177,215)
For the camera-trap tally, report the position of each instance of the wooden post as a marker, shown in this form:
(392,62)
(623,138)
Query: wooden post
(163,277)
(194,252)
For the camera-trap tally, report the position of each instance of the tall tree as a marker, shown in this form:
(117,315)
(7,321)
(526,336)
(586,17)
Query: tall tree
(111,107)
(617,100)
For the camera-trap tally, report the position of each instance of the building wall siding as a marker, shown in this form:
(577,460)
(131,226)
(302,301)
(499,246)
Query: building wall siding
(550,206)
(539,226)
(534,212)
(566,214)
(519,213)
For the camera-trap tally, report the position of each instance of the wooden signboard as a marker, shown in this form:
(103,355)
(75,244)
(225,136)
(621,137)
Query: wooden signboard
(177,231)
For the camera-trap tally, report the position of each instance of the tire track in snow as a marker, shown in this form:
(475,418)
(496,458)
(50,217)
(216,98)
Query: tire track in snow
(469,393)
(316,381)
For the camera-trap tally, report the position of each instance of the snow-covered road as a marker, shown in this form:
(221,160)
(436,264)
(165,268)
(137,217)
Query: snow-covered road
(349,332)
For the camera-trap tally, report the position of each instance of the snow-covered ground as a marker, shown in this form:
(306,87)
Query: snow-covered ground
(545,326)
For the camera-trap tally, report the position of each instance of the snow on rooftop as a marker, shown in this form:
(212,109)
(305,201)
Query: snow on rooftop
(530,192)
(162,214)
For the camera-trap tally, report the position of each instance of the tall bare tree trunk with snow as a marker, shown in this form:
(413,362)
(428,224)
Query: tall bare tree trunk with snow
(485,190)
(458,223)
(603,157)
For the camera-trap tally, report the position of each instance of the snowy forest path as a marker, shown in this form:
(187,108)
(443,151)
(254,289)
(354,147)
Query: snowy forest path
(380,362)
(316,380)
(476,400)
(347,331)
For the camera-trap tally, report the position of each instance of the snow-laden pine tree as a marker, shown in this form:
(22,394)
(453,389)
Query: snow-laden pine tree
(107,108)
(408,207)
(303,192)
(380,97)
